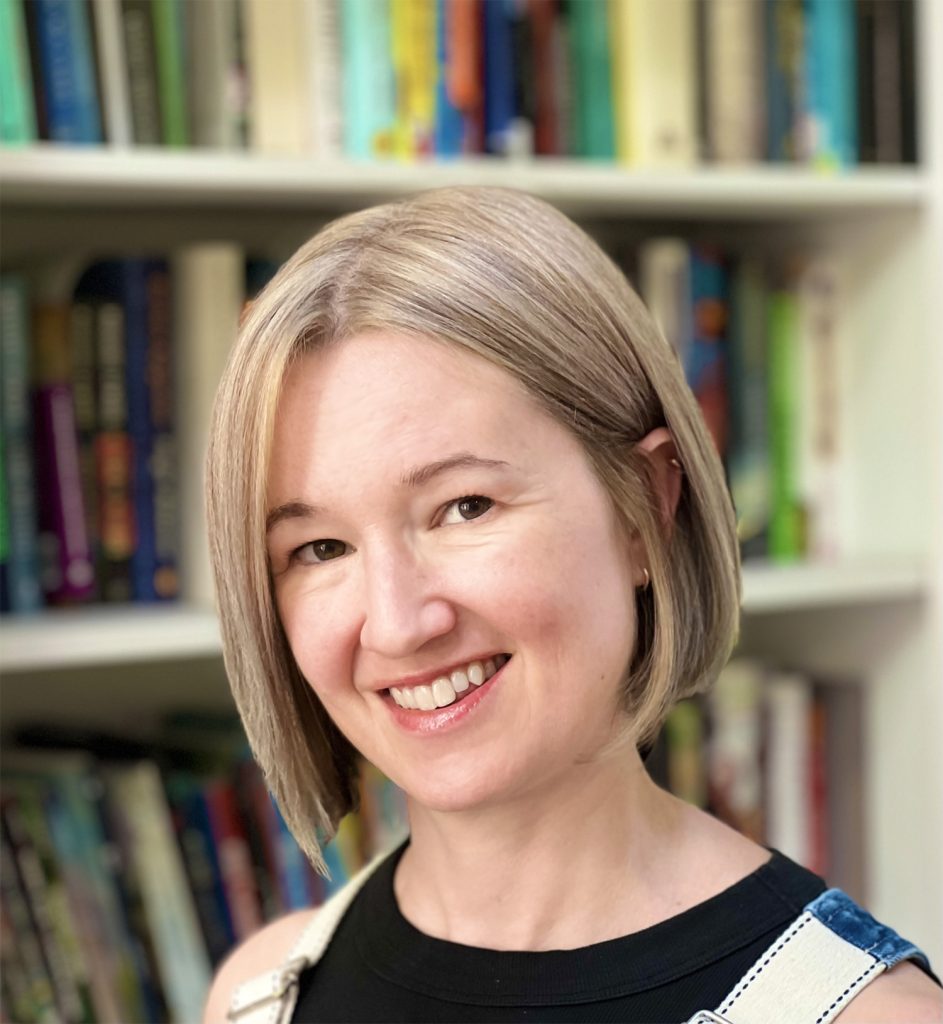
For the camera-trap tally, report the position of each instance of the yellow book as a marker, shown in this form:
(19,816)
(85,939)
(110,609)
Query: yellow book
(654,82)
(413,32)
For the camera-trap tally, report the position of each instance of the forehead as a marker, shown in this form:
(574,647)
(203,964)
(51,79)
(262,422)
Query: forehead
(380,403)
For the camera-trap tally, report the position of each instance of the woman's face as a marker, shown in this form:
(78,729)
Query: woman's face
(426,518)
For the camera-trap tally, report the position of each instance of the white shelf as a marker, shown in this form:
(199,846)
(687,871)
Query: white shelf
(110,636)
(72,638)
(50,174)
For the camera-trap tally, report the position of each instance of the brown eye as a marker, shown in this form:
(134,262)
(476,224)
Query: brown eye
(466,509)
(319,551)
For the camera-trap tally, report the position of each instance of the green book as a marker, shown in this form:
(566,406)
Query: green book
(169,50)
(785,527)
(17,113)
(592,127)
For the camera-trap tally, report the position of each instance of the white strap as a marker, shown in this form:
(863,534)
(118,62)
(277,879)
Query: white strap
(270,998)
(809,974)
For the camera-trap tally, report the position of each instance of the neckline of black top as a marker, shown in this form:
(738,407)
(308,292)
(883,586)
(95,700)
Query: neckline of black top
(764,902)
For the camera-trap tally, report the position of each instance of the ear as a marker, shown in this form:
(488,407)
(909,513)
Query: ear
(667,473)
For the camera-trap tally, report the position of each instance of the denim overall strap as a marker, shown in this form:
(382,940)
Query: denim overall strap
(815,968)
(270,998)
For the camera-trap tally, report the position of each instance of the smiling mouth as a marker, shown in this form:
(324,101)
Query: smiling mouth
(448,689)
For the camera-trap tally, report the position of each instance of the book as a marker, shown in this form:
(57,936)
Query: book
(735,85)
(748,457)
(591,82)
(656,81)
(786,532)
(84,394)
(788,756)
(217,84)
(178,942)
(784,34)
(545,18)
(278,117)
(412,41)
(67,573)
(209,288)
(112,72)
(369,65)
(325,103)
(498,57)
(735,747)
(168,28)
(141,60)
(62,42)
(828,130)
(448,120)
(464,78)
(23,589)
(17,114)
(664,276)
(705,365)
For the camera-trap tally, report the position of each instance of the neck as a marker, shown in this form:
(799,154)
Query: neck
(586,861)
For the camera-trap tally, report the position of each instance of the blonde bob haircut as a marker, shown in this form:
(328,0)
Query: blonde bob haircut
(511,279)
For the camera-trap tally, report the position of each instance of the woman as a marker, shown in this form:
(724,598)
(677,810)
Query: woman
(466,521)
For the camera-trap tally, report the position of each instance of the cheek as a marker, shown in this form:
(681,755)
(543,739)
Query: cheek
(317,638)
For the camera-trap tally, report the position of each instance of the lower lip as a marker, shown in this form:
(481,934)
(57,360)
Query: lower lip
(447,718)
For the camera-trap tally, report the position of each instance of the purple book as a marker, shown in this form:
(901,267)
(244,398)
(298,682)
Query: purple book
(67,571)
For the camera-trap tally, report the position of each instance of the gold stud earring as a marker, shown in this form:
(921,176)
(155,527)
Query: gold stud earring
(676,464)
(648,579)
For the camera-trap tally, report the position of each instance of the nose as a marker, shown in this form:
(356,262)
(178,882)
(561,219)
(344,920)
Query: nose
(403,609)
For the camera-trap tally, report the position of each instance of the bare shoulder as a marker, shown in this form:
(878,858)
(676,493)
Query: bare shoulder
(264,951)
(902,995)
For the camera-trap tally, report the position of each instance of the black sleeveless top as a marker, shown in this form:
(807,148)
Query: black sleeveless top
(378,967)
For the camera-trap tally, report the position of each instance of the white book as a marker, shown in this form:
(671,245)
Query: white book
(275,44)
(820,448)
(788,764)
(179,947)
(323,59)
(209,289)
(664,271)
(113,72)
(736,89)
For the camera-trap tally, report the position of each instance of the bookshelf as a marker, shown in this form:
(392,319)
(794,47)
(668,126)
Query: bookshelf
(875,619)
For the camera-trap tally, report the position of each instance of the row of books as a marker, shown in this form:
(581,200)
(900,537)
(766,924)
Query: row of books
(778,756)
(644,82)
(101,464)
(90,505)
(759,340)
(126,879)
(125,883)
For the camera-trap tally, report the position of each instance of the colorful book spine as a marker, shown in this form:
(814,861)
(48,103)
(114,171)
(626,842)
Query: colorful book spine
(165,583)
(464,71)
(16,422)
(17,114)
(323,27)
(169,46)
(68,574)
(706,363)
(84,391)
(141,58)
(63,41)
(545,27)
(449,127)
(591,81)
(368,78)
(217,90)
(828,123)
(784,41)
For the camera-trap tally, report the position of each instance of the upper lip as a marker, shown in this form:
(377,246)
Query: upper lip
(423,678)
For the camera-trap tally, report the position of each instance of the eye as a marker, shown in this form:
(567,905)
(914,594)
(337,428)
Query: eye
(465,509)
(317,551)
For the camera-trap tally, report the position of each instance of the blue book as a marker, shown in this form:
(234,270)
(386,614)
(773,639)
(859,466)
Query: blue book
(706,360)
(127,282)
(830,119)
(499,75)
(367,78)
(66,59)
(783,30)
(24,593)
(449,120)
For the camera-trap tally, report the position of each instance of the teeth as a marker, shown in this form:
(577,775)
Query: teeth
(442,692)
(445,689)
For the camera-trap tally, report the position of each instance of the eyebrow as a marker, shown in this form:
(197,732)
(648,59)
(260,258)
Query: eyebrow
(415,478)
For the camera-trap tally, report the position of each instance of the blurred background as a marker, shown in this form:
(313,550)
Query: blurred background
(768,173)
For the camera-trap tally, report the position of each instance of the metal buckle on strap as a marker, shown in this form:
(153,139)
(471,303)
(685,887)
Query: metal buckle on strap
(708,1017)
(288,979)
